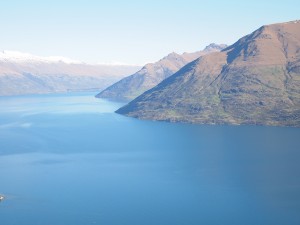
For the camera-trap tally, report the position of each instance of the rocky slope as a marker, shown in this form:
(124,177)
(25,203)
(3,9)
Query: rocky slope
(22,73)
(254,81)
(152,74)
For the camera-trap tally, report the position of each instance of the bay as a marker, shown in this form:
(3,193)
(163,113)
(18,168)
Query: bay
(69,159)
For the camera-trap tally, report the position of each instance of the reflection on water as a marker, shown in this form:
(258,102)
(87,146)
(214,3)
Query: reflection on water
(68,159)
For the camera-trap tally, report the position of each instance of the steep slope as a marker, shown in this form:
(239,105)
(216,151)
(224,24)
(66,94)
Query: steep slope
(254,81)
(152,74)
(22,73)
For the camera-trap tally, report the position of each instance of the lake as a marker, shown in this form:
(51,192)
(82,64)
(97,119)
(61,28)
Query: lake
(68,159)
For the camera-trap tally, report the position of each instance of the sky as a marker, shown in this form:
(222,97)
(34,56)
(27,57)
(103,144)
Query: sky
(130,31)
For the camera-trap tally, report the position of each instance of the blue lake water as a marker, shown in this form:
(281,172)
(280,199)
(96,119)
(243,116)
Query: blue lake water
(67,159)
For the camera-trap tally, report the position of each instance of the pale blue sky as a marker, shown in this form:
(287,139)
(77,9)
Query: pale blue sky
(132,31)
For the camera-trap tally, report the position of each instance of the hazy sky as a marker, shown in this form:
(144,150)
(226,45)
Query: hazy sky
(132,31)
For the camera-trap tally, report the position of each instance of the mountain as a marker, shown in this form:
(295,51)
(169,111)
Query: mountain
(22,73)
(152,74)
(254,81)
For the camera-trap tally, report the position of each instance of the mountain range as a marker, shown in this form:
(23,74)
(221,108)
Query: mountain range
(22,73)
(254,81)
(152,74)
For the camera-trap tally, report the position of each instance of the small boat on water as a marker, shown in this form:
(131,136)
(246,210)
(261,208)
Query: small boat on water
(1,197)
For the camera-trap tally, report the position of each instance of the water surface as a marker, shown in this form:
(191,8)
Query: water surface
(67,159)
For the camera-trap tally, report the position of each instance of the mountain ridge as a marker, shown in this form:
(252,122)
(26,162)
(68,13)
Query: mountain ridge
(152,74)
(254,81)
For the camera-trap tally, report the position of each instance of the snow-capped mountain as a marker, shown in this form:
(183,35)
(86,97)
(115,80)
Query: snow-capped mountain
(15,56)
(23,73)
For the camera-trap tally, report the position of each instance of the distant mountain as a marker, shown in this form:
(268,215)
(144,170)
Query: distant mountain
(254,81)
(22,73)
(152,74)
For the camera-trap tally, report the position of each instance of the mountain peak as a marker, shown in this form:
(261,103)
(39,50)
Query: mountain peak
(214,46)
(172,55)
